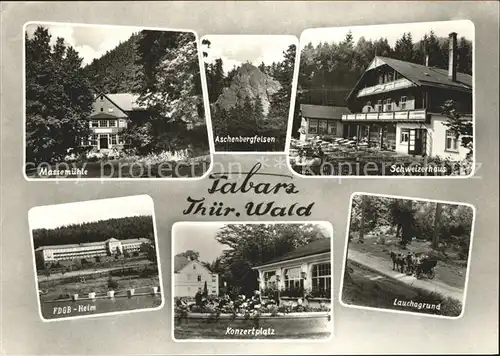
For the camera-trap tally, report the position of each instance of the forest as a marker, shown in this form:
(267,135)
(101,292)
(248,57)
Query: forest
(445,226)
(250,245)
(329,71)
(122,228)
(161,67)
(247,117)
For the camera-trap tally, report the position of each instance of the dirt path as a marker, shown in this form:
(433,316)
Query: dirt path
(384,267)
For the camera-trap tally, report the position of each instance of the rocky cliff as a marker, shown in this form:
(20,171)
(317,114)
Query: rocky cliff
(250,82)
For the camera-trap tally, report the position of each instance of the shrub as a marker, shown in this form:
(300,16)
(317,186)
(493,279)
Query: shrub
(112,284)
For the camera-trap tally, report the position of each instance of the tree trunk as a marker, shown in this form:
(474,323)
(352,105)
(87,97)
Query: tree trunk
(362,222)
(437,218)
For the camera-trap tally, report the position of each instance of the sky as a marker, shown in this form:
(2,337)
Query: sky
(90,41)
(391,32)
(235,50)
(52,216)
(200,237)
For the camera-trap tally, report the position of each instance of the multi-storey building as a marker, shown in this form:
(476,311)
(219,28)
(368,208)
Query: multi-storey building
(191,275)
(110,115)
(397,105)
(109,247)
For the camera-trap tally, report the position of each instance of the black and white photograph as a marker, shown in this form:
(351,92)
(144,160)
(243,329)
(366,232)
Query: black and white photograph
(96,257)
(385,100)
(113,102)
(407,255)
(249,280)
(249,81)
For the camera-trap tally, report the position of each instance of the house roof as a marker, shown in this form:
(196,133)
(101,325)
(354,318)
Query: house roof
(323,112)
(421,75)
(182,261)
(102,115)
(313,248)
(125,101)
(130,241)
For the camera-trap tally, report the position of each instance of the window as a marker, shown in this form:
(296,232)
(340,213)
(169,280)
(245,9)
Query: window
(369,109)
(322,278)
(388,105)
(451,141)
(114,139)
(112,123)
(119,139)
(323,124)
(293,279)
(378,107)
(332,128)
(93,140)
(402,103)
(102,109)
(103,123)
(94,123)
(199,278)
(405,136)
(102,97)
(313,126)
(194,266)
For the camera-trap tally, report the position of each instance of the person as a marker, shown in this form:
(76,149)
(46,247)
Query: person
(401,261)
(198,297)
(409,263)
(255,300)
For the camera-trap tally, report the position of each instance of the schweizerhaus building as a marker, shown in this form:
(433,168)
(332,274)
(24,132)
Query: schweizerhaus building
(396,105)
(88,250)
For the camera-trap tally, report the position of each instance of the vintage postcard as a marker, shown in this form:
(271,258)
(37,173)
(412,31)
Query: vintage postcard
(96,257)
(113,102)
(407,255)
(249,80)
(249,280)
(385,100)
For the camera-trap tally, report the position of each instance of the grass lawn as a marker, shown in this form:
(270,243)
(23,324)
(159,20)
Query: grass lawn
(366,287)
(449,271)
(56,289)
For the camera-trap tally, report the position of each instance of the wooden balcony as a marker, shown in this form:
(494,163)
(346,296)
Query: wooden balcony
(390,116)
(385,87)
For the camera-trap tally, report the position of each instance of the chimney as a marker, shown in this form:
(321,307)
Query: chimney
(452,61)
(426,60)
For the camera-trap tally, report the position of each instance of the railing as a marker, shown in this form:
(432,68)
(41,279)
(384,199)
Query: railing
(407,115)
(385,87)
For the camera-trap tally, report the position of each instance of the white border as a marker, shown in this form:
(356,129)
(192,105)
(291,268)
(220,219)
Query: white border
(402,25)
(162,290)
(240,340)
(403,311)
(290,114)
(139,28)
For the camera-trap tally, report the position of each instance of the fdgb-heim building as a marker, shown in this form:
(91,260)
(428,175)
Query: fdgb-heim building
(54,253)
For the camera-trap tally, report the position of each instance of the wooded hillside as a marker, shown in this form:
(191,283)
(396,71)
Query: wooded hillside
(123,228)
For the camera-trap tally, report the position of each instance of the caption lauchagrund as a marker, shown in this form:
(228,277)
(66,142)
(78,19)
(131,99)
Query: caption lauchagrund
(417,305)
